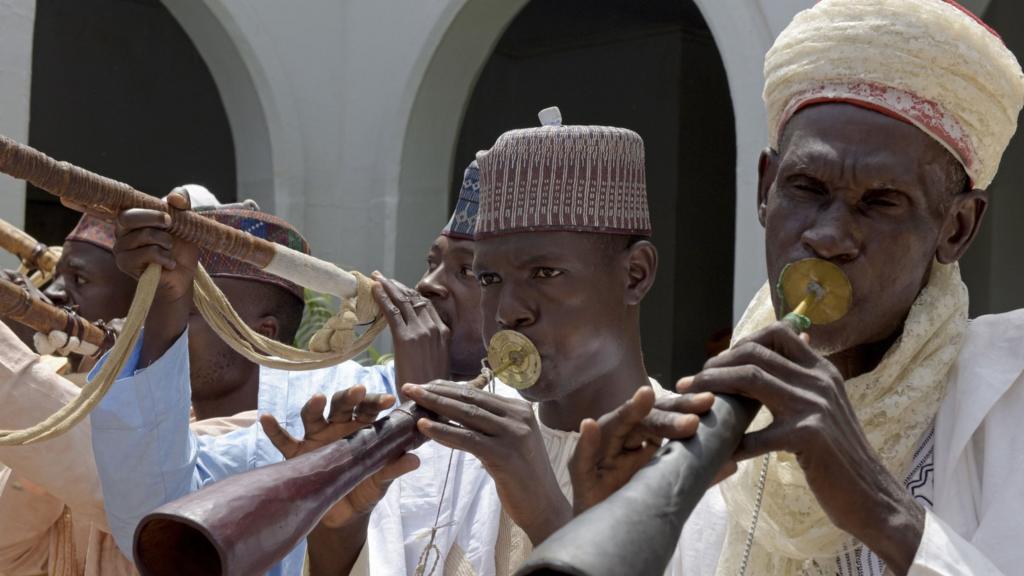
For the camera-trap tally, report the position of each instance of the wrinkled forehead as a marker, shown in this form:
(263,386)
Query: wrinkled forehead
(855,139)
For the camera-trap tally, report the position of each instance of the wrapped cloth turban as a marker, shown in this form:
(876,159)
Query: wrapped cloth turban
(927,62)
(574,178)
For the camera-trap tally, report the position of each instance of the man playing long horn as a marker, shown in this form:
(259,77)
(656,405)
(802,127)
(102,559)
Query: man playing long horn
(180,362)
(894,433)
(51,507)
(566,264)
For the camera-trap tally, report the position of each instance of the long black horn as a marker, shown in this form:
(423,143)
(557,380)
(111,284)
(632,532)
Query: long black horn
(636,529)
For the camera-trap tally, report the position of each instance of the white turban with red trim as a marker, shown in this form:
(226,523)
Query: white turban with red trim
(927,62)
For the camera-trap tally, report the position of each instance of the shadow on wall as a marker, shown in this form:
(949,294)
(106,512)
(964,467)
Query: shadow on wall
(118,88)
(653,67)
(992,267)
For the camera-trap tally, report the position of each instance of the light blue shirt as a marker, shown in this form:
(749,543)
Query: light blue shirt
(147,455)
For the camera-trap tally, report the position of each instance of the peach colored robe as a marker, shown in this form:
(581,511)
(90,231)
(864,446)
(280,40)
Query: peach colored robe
(44,483)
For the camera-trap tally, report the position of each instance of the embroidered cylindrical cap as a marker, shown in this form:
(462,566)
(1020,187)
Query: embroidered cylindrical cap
(571,178)
(462,224)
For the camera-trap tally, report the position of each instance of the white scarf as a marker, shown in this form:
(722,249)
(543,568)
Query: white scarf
(895,403)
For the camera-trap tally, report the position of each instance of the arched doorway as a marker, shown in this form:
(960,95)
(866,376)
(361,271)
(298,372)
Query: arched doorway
(653,67)
(118,88)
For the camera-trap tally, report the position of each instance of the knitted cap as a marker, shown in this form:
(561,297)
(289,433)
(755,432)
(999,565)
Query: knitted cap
(463,221)
(95,231)
(575,178)
(261,225)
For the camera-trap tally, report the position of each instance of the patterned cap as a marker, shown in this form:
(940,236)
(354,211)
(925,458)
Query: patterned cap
(575,178)
(261,225)
(463,222)
(95,231)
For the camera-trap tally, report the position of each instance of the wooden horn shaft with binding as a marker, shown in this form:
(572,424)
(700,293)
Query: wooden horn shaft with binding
(244,524)
(16,303)
(31,252)
(107,196)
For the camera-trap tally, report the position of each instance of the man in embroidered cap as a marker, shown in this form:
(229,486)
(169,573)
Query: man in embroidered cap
(562,256)
(374,532)
(891,430)
(144,419)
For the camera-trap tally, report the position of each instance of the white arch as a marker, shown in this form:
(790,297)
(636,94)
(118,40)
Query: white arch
(467,37)
(743,29)
(259,109)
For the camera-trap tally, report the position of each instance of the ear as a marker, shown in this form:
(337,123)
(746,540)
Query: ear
(267,326)
(642,267)
(767,168)
(963,220)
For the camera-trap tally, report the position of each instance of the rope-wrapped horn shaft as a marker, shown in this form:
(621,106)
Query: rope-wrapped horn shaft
(16,303)
(105,195)
(31,252)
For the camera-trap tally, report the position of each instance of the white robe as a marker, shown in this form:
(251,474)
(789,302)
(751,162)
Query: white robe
(975,525)
(974,528)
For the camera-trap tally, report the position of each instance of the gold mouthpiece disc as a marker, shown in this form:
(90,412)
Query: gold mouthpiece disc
(514,359)
(826,281)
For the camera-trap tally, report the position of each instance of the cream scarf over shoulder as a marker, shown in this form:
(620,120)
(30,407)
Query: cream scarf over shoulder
(895,403)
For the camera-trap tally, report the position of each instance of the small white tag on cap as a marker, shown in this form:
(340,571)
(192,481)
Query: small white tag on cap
(550,116)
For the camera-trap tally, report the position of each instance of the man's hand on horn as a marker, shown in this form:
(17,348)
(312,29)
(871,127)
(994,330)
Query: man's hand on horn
(351,410)
(812,418)
(143,239)
(616,446)
(419,335)
(504,435)
(337,540)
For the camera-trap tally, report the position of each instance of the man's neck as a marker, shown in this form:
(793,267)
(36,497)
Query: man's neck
(862,359)
(241,399)
(598,397)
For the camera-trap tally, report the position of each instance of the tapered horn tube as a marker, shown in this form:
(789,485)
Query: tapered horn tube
(242,525)
(18,304)
(636,529)
(32,253)
(92,191)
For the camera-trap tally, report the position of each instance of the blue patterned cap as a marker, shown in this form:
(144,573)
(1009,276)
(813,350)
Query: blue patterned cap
(463,222)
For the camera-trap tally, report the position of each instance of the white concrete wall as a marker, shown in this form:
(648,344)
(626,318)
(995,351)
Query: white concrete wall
(345,114)
(17,19)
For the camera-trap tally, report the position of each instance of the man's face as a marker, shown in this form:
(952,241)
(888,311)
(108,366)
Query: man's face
(866,192)
(564,291)
(89,281)
(452,288)
(215,369)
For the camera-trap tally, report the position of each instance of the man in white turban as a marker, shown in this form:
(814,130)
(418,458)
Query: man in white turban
(893,434)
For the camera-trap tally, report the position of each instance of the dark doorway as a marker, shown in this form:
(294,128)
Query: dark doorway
(651,66)
(118,88)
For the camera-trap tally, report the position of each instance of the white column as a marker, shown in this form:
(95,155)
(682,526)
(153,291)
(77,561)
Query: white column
(17,20)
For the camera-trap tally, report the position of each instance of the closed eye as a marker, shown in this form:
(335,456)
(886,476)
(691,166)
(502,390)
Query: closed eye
(884,199)
(545,272)
(488,278)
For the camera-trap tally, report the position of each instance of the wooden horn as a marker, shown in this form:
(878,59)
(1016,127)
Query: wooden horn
(18,304)
(33,254)
(244,524)
(80,187)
